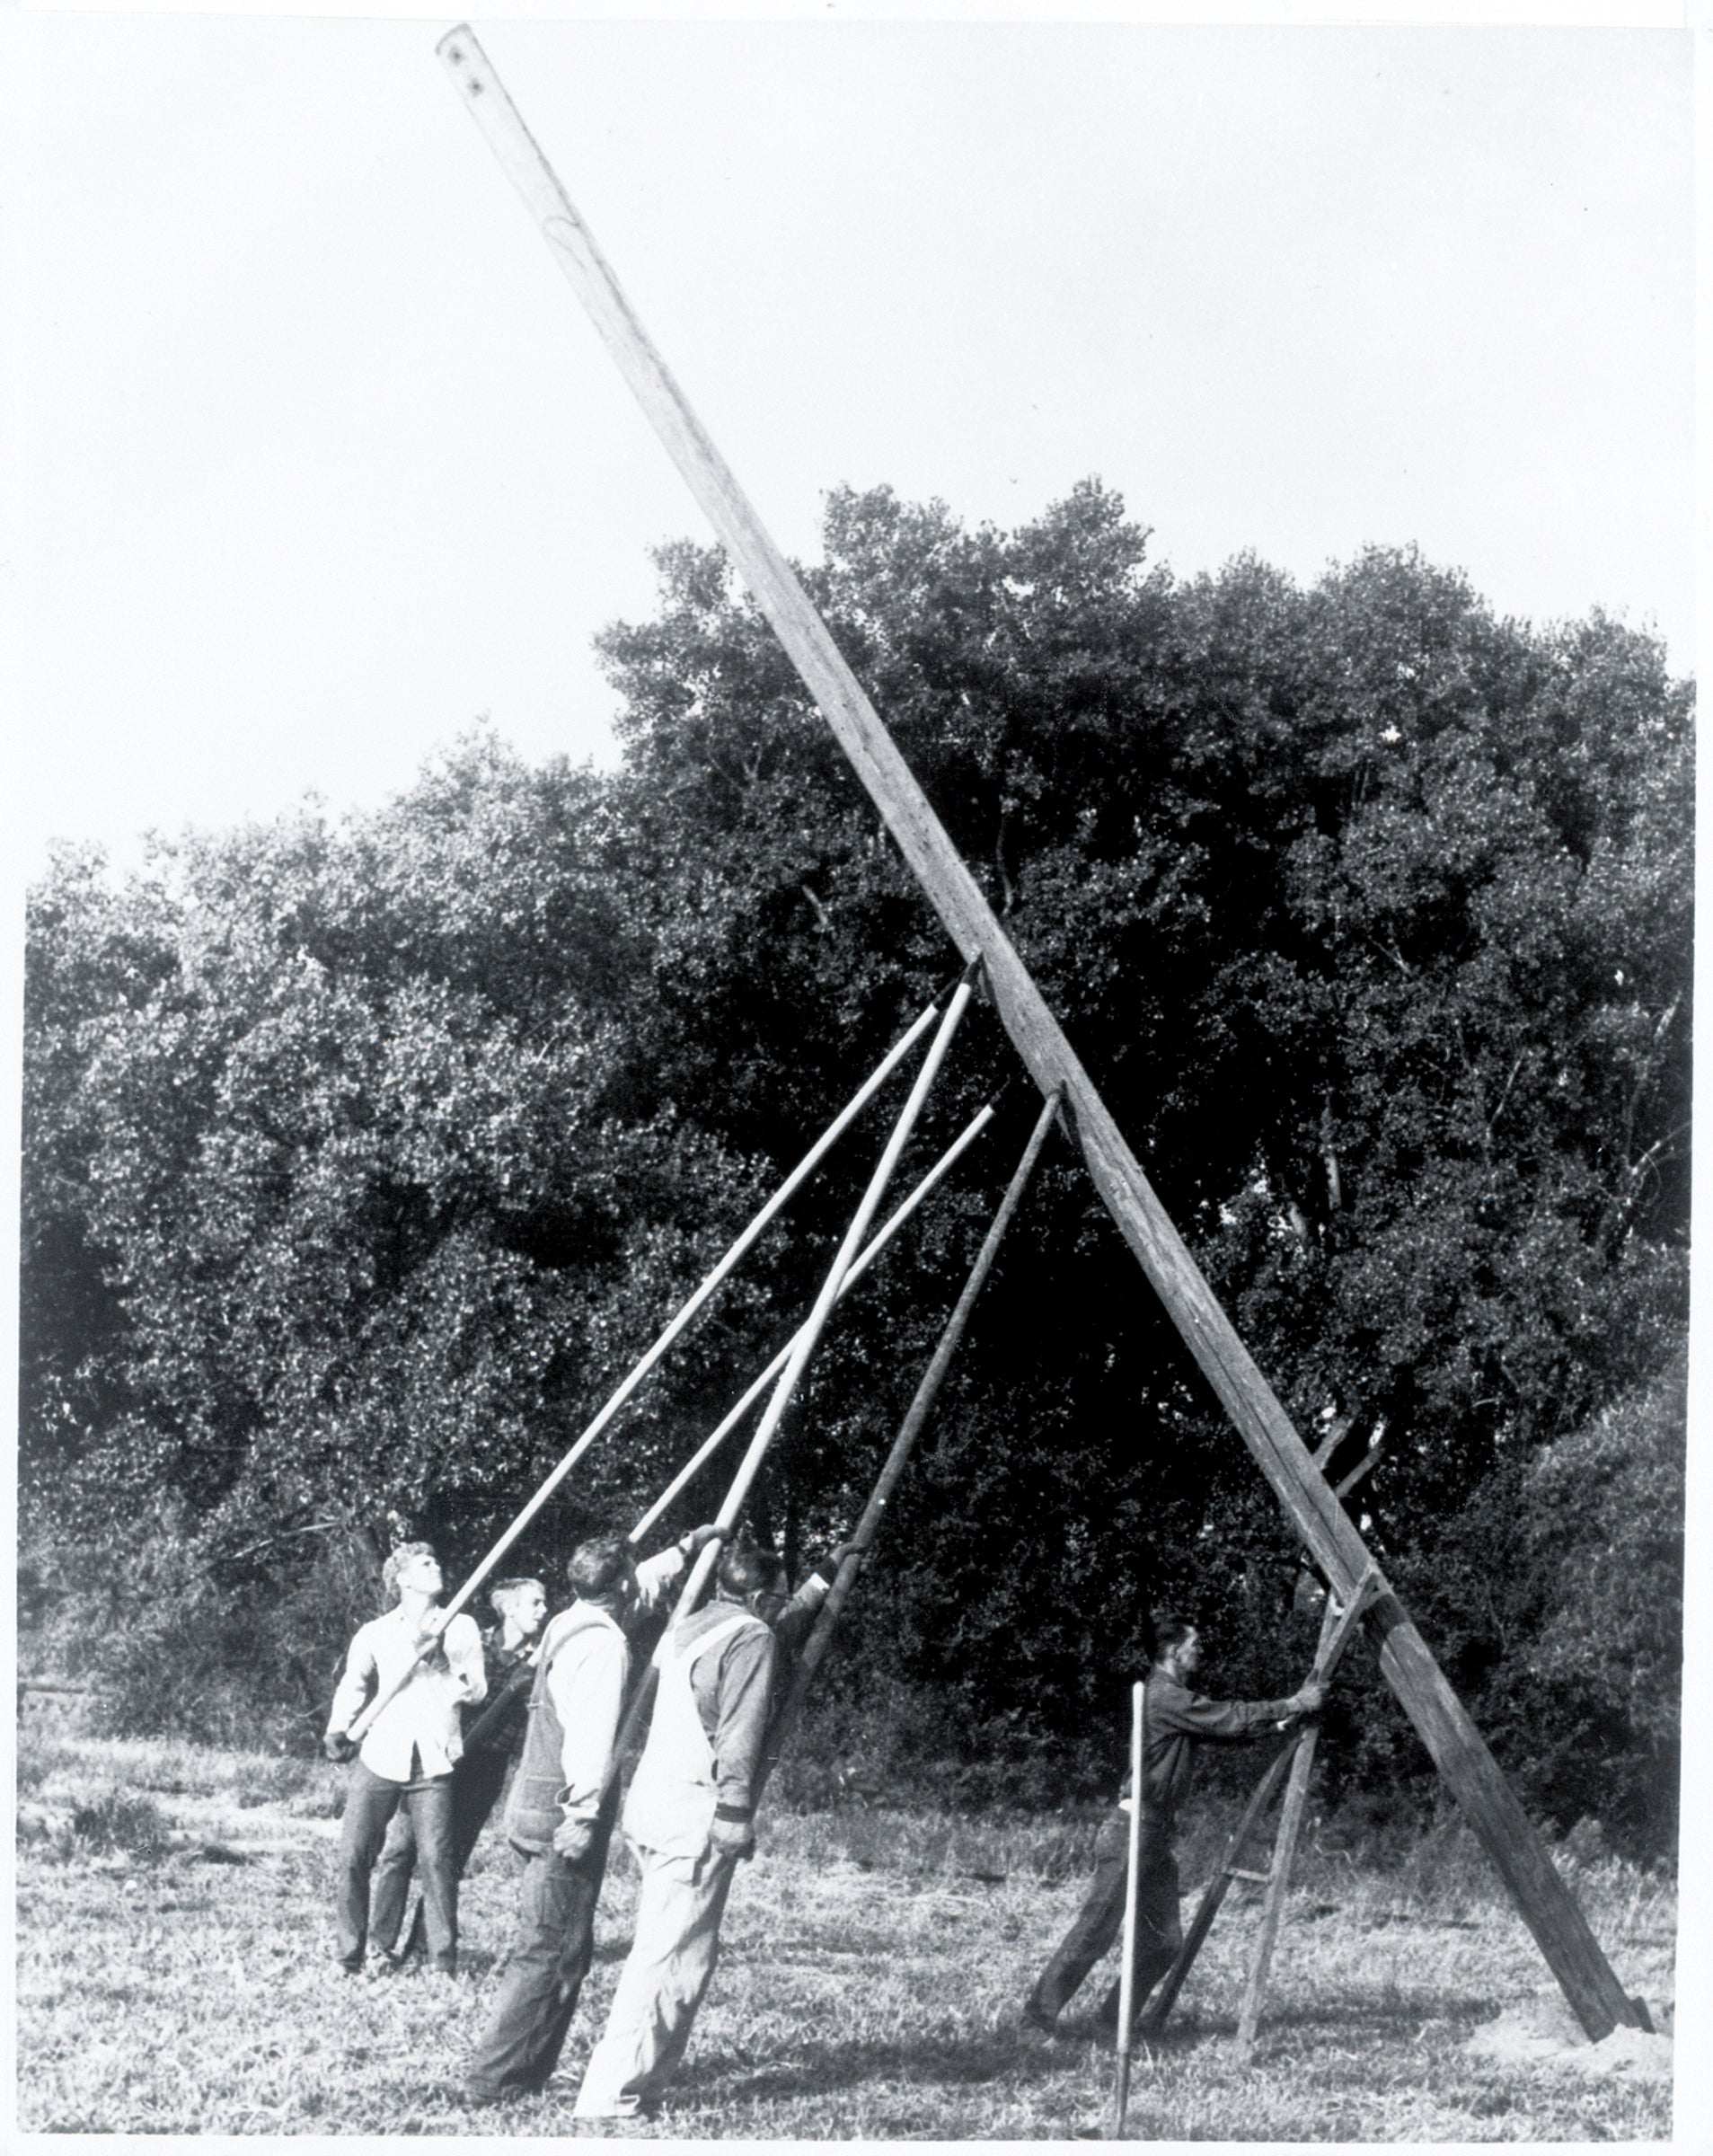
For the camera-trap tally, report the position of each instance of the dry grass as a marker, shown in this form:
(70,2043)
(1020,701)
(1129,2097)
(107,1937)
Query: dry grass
(874,1963)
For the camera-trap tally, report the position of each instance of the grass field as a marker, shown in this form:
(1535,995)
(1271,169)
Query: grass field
(174,1977)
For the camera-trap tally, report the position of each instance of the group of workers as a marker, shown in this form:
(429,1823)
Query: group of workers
(458,1711)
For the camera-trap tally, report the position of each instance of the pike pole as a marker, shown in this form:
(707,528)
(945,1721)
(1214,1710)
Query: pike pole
(1127,1968)
(711,1443)
(808,1338)
(826,1617)
(803,1346)
(805,1168)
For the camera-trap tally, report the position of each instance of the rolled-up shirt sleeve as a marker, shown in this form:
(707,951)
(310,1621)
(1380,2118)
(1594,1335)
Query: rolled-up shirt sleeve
(656,1574)
(464,1659)
(796,1621)
(355,1684)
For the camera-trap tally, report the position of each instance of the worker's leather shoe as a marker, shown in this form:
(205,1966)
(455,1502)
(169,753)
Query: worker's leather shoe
(1038,2017)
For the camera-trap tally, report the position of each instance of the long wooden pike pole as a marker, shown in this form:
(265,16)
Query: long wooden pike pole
(808,1338)
(793,1182)
(711,1443)
(826,1617)
(803,1346)
(1455,1743)
(1131,1883)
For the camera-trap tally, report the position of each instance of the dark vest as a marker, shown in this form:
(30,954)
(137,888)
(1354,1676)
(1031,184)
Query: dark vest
(533,1810)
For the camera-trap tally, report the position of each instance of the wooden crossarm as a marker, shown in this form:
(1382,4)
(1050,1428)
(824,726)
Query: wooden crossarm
(1343,1628)
(1368,1460)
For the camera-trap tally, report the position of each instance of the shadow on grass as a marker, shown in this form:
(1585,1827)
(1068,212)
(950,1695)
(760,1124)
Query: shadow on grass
(1380,2020)
(810,2069)
(1382,2017)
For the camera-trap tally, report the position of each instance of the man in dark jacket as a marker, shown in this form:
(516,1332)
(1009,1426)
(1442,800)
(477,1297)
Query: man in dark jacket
(1174,1719)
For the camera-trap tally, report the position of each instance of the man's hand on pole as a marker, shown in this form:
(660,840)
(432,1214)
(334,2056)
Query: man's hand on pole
(574,1838)
(732,1837)
(1309,1698)
(698,1539)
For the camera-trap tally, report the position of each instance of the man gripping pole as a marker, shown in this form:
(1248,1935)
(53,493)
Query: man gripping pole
(559,1814)
(689,1815)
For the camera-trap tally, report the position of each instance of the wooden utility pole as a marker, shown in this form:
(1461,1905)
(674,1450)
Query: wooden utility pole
(1456,1745)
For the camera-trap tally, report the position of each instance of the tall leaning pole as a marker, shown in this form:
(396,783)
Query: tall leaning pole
(1455,1745)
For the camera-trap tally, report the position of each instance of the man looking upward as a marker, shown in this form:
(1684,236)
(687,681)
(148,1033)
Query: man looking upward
(690,1817)
(492,1741)
(408,1754)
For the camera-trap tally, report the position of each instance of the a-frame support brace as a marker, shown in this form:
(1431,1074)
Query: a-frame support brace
(1335,1627)
(1332,1540)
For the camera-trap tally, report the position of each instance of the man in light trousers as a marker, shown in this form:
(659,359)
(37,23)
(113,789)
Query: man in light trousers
(559,1812)
(690,1817)
(492,1739)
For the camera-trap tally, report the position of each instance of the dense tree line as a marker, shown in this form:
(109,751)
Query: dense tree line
(362,1157)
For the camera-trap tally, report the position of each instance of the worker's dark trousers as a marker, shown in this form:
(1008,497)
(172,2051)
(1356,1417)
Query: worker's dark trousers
(370,1802)
(477,1780)
(544,1973)
(1100,1919)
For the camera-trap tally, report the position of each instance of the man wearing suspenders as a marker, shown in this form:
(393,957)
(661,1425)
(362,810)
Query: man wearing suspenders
(689,1817)
(555,1816)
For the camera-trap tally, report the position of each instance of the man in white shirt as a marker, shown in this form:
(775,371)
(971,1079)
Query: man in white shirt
(492,1740)
(408,1754)
(560,1814)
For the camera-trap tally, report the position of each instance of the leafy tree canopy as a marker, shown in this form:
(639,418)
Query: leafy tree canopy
(361,1158)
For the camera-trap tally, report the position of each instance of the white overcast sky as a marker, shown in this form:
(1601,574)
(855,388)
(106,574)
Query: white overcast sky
(322,461)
